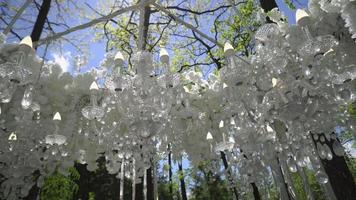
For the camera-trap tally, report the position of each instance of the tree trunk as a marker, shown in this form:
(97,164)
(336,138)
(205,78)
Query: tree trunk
(41,20)
(144,23)
(150,192)
(139,190)
(226,166)
(339,174)
(256,193)
(267,6)
(170,171)
(182,182)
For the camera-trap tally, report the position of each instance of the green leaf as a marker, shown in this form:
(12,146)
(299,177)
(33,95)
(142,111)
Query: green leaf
(290,4)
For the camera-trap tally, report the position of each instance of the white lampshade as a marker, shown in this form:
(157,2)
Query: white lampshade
(209,136)
(274,82)
(27,41)
(228,50)
(119,58)
(12,136)
(164,56)
(301,17)
(94,86)
(221,124)
(57,116)
(269,128)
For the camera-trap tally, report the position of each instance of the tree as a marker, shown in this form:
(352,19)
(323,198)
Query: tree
(100,184)
(60,187)
(339,174)
(181,179)
(41,20)
(208,185)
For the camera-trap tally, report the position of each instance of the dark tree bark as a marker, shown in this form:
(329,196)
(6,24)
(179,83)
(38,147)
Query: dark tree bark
(83,182)
(284,182)
(34,191)
(170,170)
(41,20)
(226,166)
(99,182)
(150,189)
(182,182)
(267,6)
(339,174)
(256,193)
(139,190)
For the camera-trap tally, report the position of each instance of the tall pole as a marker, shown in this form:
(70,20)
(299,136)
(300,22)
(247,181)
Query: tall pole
(145,13)
(145,185)
(122,177)
(133,179)
(155,186)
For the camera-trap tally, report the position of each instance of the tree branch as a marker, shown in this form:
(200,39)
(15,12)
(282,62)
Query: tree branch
(189,26)
(197,12)
(14,19)
(86,25)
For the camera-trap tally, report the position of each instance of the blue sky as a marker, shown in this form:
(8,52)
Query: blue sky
(290,14)
(97,49)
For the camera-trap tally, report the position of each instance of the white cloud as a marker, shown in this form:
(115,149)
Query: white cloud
(62,60)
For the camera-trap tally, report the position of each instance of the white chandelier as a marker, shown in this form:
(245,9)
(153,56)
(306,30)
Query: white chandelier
(297,86)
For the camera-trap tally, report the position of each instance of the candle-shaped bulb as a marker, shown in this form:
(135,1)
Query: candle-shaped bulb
(164,56)
(57,116)
(228,50)
(119,59)
(269,129)
(94,86)
(27,41)
(209,136)
(274,82)
(301,17)
(221,124)
(12,136)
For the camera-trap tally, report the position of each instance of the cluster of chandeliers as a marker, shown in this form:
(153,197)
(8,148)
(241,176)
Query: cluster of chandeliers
(262,113)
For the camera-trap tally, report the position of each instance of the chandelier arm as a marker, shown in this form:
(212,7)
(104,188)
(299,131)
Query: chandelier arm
(87,25)
(16,17)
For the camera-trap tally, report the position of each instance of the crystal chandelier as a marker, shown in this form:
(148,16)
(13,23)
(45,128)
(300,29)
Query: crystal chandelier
(273,113)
